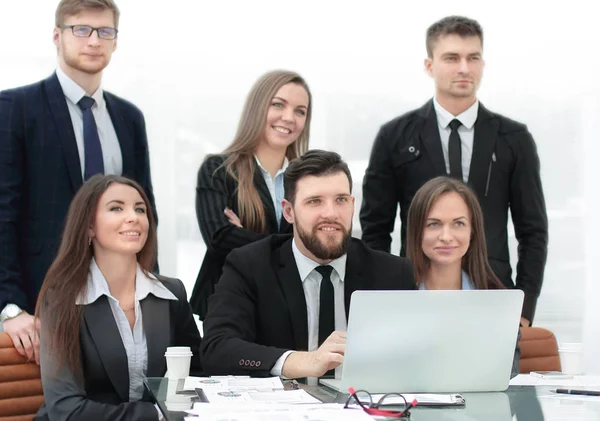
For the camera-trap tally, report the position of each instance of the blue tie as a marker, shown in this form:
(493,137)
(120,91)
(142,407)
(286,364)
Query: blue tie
(94,163)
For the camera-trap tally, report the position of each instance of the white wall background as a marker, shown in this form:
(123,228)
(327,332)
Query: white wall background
(189,64)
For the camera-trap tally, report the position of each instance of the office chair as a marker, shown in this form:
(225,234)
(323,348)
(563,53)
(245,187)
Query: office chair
(21,392)
(539,350)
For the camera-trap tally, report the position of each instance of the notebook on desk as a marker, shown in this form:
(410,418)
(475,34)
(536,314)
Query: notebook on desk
(430,341)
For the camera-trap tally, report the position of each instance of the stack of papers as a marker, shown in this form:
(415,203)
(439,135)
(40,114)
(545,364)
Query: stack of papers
(271,397)
(423,399)
(233,383)
(281,412)
(575,382)
(235,397)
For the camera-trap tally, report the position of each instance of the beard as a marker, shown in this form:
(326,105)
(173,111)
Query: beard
(74,61)
(331,248)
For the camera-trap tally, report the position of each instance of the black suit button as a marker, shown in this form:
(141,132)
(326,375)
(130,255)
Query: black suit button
(247,363)
(252,363)
(242,362)
(258,363)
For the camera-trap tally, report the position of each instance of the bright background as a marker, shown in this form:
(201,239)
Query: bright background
(188,65)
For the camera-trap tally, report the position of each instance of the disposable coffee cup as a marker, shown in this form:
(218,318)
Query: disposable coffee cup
(571,358)
(179,359)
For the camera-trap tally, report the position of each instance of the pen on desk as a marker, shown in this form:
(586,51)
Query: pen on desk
(578,392)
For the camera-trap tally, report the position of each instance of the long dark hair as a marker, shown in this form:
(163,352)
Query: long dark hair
(475,261)
(67,277)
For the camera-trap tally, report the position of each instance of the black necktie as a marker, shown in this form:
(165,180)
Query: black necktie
(94,163)
(454,151)
(326,304)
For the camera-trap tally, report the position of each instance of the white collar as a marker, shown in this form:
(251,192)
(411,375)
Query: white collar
(144,285)
(467,117)
(279,171)
(73,92)
(306,265)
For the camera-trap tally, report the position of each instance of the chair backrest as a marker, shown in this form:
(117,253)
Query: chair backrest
(21,392)
(539,350)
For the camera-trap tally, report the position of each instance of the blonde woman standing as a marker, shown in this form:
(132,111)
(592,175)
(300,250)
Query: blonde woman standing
(239,192)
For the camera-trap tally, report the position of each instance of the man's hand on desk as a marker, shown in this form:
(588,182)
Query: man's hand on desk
(25,334)
(316,363)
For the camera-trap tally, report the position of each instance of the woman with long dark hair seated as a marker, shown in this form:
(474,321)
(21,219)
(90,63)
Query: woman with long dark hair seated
(106,320)
(239,192)
(445,240)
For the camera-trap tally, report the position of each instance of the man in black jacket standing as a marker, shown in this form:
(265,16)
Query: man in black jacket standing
(454,134)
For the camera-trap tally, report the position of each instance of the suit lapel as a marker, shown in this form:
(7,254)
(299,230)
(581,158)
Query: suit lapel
(157,326)
(64,126)
(354,278)
(291,285)
(484,144)
(430,138)
(105,335)
(265,197)
(125,137)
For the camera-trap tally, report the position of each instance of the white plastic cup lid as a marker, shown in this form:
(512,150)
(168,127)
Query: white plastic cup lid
(177,349)
(178,354)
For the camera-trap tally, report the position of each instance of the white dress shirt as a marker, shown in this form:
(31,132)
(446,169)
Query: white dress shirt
(134,341)
(466,133)
(311,283)
(275,186)
(111,149)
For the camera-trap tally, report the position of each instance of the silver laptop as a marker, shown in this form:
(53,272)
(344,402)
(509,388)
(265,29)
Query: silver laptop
(430,341)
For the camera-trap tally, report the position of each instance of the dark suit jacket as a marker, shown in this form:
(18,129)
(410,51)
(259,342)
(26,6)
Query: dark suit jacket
(40,173)
(504,173)
(214,192)
(102,391)
(258,311)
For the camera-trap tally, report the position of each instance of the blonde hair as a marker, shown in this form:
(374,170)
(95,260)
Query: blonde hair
(240,161)
(74,7)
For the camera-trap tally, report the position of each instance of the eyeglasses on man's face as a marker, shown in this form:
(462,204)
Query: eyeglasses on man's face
(85,31)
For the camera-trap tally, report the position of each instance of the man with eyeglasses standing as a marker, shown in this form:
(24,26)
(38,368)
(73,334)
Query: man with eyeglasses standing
(54,135)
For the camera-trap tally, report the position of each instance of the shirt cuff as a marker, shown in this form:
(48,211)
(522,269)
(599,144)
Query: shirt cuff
(278,367)
(160,415)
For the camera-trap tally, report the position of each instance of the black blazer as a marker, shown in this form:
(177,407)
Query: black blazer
(258,311)
(40,173)
(214,192)
(102,392)
(504,173)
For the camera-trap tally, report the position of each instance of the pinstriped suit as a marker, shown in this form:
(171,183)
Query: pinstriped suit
(215,191)
(40,173)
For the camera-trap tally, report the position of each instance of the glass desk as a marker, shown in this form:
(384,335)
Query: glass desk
(523,403)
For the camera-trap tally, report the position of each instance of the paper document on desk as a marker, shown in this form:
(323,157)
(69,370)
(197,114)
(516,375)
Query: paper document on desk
(576,381)
(262,412)
(423,399)
(232,383)
(271,397)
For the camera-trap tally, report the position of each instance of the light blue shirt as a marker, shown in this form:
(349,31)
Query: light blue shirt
(111,148)
(134,340)
(467,284)
(275,186)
